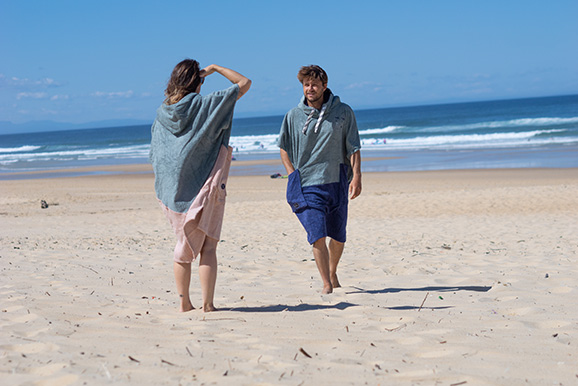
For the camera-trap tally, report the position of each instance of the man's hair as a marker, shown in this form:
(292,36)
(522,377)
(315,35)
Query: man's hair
(184,80)
(312,71)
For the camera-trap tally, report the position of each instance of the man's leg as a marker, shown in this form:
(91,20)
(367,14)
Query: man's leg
(208,273)
(183,280)
(335,252)
(321,254)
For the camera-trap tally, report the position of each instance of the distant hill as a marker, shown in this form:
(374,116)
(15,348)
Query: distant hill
(42,126)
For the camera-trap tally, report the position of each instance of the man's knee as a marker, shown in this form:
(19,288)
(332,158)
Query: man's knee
(335,242)
(319,243)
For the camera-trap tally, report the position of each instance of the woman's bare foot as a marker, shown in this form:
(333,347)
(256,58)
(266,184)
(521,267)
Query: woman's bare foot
(186,307)
(186,304)
(209,308)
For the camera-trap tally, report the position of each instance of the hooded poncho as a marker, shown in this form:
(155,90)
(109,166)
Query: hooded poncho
(317,149)
(186,139)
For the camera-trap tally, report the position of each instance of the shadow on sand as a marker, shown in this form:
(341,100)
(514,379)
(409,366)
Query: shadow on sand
(344,305)
(407,308)
(300,308)
(422,289)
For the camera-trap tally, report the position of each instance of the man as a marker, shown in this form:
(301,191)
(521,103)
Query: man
(320,146)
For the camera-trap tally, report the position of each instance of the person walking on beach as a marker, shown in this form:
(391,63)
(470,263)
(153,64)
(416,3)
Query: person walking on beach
(320,146)
(191,157)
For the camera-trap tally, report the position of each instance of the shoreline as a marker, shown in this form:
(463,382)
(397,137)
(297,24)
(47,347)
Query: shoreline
(372,161)
(248,166)
(435,178)
(238,167)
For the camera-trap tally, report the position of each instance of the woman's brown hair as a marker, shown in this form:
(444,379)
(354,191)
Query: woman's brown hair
(184,80)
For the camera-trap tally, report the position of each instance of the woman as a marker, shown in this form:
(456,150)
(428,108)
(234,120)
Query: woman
(191,157)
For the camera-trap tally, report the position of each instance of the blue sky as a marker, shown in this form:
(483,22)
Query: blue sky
(78,61)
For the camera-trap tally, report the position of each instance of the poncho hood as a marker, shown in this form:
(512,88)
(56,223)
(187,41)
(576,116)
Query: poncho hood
(178,117)
(329,99)
(186,139)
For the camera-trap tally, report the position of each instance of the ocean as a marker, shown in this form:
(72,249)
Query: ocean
(521,133)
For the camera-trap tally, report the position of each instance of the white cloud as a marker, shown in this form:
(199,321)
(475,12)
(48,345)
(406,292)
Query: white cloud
(117,94)
(59,97)
(25,83)
(31,95)
(361,85)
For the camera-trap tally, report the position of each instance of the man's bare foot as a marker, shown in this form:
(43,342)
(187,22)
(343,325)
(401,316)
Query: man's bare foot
(335,281)
(327,290)
(209,308)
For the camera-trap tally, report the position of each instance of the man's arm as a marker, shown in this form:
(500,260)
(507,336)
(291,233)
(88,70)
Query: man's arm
(355,185)
(233,76)
(287,162)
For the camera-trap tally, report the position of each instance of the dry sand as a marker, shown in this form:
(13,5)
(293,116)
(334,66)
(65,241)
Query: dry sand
(449,278)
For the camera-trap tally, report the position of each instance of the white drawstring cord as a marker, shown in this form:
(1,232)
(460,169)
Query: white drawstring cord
(310,117)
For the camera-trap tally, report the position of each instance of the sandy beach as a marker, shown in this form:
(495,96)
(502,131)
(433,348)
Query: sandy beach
(449,278)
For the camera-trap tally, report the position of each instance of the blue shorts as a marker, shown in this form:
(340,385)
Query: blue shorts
(321,209)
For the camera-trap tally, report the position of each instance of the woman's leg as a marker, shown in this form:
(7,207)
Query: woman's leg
(208,273)
(183,280)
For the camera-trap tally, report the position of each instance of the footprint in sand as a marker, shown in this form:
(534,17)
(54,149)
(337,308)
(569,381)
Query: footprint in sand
(523,311)
(419,374)
(33,333)
(59,381)
(9,298)
(410,340)
(24,318)
(451,282)
(506,298)
(561,290)
(553,324)
(435,354)
(32,348)
(48,370)
(437,332)
(11,309)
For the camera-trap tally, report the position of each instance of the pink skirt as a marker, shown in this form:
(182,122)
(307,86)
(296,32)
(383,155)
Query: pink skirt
(204,218)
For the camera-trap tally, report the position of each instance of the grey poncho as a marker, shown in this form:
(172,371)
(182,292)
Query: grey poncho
(186,139)
(318,142)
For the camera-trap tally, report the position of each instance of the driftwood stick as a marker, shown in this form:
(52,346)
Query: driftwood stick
(423,302)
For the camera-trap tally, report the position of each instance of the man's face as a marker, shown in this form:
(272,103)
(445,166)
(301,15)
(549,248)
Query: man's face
(313,90)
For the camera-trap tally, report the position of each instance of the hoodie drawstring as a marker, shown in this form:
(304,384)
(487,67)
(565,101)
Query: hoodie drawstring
(310,117)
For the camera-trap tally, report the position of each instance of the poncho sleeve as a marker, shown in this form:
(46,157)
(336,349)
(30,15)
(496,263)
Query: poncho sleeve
(352,141)
(284,140)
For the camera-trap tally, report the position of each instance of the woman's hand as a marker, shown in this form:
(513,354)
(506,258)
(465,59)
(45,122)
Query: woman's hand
(233,76)
(208,70)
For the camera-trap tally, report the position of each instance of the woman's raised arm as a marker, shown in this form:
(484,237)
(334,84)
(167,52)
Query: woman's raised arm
(243,82)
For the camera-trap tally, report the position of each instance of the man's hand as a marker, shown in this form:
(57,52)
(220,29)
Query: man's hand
(355,187)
